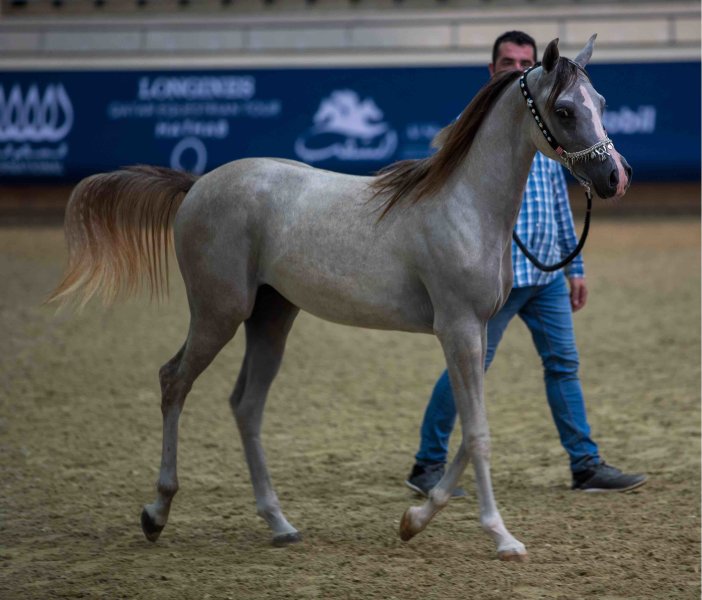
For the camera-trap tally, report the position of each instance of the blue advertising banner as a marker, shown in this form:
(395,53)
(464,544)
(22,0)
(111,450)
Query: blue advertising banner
(61,126)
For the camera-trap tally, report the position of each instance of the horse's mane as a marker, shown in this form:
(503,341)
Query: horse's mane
(413,180)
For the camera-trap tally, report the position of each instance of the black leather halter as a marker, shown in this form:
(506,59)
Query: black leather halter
(599,151)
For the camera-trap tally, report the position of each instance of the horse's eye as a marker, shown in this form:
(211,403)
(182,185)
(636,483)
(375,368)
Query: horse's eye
(563,113)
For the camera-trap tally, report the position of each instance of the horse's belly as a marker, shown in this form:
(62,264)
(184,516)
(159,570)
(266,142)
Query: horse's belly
(360,301)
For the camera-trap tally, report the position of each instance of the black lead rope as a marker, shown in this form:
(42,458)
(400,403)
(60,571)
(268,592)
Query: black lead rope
(559,265)
(598,151)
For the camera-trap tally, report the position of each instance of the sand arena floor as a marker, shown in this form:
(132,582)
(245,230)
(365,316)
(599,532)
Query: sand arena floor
(80,436)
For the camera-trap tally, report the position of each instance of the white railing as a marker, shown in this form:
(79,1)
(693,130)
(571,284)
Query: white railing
(628,32)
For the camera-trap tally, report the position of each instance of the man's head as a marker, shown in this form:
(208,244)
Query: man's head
(512,51)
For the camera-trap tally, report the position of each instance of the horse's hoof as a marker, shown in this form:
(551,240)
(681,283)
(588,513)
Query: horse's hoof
(513,556)
(285,539)
(406,532)
(149,527)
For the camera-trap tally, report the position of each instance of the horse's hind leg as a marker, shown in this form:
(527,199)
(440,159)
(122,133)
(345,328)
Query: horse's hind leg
(266,332)
(205,339)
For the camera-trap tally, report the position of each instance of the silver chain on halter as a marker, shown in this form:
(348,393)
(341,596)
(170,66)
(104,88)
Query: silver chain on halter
(599,151)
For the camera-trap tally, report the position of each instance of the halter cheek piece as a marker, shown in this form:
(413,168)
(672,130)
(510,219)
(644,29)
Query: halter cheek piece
(599,151)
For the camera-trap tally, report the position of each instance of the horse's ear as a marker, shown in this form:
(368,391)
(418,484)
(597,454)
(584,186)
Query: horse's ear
(584,57)
(550,55)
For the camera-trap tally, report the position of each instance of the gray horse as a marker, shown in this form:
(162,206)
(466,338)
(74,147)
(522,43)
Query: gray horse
(423,247)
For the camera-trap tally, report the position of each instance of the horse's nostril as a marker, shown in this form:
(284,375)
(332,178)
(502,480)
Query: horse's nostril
(629,171)
(613,179)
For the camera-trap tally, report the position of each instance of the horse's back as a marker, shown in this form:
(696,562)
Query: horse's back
(259,195)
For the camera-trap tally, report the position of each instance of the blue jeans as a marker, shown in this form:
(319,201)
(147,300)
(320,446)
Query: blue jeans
(546,311)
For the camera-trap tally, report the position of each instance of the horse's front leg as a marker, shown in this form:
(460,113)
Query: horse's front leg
(464,345)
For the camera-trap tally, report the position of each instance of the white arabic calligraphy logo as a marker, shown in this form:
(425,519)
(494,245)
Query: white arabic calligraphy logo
(348,129)
(35,118)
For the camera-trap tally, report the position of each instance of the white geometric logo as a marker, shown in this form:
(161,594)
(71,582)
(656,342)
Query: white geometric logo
(35,118)
(348,129)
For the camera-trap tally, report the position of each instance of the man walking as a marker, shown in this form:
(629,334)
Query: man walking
(545,303)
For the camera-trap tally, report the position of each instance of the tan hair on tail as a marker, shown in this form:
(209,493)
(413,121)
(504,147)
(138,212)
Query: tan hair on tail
(118,231)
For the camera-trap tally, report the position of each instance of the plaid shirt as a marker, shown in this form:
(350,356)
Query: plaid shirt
(545,225)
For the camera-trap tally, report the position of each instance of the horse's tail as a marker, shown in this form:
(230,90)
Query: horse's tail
(118,230)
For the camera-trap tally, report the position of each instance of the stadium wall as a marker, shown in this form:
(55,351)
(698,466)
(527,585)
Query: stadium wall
(111,76)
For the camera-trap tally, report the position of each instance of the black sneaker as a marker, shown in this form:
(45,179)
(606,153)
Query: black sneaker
(424,478)
(606,478)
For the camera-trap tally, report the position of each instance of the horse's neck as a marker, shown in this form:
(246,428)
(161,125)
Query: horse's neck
(494,174)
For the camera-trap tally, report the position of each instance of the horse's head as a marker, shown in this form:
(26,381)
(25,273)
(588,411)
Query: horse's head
(568,113)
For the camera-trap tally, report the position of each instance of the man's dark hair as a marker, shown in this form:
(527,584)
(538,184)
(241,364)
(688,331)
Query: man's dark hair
(516,37)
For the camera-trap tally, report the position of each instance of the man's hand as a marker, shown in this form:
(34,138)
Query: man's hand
(578,293)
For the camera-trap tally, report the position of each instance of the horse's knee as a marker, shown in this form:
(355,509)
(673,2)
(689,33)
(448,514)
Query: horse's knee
(479,446)
(248,413)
